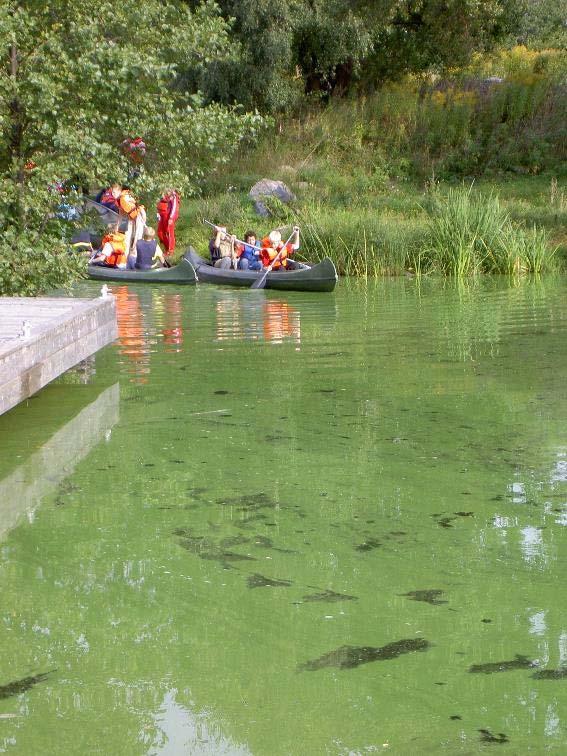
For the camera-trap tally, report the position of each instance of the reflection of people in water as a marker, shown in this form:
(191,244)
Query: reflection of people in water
(252,319)
(131,333)
(168,309)
(281,321)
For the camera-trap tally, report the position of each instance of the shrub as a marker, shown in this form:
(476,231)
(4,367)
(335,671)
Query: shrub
(30,265)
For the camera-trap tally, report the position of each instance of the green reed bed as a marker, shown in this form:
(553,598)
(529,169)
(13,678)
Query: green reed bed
(360,242)
(470,233)
(455,232)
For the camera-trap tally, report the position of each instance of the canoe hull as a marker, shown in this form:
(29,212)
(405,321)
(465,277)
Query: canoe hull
(320,277)
(182,273)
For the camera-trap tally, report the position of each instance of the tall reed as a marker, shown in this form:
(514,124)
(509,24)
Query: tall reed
(471,233)
(464,231)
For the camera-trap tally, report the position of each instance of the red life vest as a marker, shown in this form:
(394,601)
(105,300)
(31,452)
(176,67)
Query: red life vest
(108,198)
(162,208)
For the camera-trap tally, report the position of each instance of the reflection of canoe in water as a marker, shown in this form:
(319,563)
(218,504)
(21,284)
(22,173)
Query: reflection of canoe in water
(319,277)
(182,273)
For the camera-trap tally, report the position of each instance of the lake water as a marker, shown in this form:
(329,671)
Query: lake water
(267,523)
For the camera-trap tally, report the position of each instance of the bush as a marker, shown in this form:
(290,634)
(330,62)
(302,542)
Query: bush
(31,265)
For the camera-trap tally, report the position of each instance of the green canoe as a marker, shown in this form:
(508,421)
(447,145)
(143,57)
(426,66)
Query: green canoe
(319,277)
(182,273)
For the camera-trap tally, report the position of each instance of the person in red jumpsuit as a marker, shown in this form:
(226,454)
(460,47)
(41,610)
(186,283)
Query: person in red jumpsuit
(168,212)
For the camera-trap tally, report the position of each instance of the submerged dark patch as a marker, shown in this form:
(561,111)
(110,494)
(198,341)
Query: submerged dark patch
(329,596)
(220,392)
(487,737)
(518,662)
(260,540)
(20,686)
(348,657)
(228,543)
(464,514)
(267,543)
(368,545)
(550,674)
(250,501)
(429,596)
(261,581)
(272,438)
(208,549)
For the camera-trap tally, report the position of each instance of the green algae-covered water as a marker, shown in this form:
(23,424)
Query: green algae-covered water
(273,524)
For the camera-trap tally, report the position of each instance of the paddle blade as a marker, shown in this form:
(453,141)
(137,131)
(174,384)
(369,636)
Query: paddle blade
(260,282)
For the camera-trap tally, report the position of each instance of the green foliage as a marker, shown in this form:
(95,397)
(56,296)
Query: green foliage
(31,264)
(359,244)
(279,49)
(257,70)
(78,78)
(431,35)
(542,23)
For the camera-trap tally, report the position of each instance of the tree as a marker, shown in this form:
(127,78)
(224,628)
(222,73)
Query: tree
(259,69)
(78,78)
(426,35)
(331,43)
(284,47)
(542,23)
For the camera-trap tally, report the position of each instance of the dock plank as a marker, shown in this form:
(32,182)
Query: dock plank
(60,333)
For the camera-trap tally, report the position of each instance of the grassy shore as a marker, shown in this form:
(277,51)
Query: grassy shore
(455,176)
(389,231)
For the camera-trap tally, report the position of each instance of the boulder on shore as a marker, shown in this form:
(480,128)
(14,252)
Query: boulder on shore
(271,188)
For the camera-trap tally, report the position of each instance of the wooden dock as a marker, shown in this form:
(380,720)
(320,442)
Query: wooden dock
(42,337)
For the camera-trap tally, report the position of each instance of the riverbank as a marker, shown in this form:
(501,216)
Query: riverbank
(385,229)
(371,174)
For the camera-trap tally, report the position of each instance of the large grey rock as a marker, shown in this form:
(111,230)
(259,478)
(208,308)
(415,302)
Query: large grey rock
(261,209)
(271,188)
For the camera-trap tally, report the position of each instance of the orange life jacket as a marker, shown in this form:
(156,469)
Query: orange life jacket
(118,255)
(128,204)
(268,254)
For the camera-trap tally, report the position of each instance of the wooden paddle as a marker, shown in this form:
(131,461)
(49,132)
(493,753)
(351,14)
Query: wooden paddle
(260,282)
(213,225)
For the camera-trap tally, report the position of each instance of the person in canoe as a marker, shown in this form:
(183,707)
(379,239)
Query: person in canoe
(249,252)
(168,212)
(109,197)
(135,215)
(113,249)
(81,242)
(221,248)
(148,252)
(274,252)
